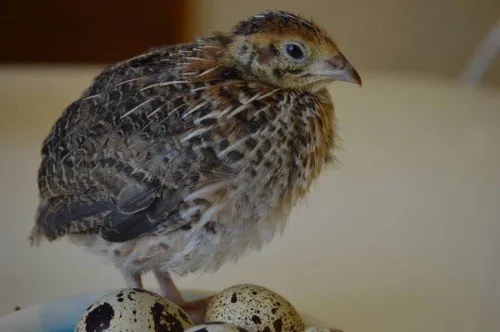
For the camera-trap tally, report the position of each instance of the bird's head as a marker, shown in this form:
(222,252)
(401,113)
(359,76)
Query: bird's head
(287,51)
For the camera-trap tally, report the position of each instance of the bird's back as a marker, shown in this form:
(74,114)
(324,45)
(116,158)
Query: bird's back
(109,137)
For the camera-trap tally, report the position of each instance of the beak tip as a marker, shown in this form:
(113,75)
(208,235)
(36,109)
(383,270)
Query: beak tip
(355,77)
(342,71)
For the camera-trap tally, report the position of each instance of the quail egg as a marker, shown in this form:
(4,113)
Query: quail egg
(254,308)
(136,310)
(322,329)
(216,327)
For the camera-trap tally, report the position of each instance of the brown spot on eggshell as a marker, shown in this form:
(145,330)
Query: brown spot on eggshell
(99,319)
(163,320)
(278,325)
(133,310)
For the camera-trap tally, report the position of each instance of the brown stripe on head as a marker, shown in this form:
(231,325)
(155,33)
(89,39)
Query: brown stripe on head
(279,22)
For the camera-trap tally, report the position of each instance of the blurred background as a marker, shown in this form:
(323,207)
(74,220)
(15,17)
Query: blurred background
(402,236)
(427,36)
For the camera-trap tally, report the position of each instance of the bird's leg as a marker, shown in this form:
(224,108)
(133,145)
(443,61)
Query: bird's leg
(132,280)
(195,309)
(168,288)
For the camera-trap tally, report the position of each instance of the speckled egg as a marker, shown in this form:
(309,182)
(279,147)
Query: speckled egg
(322,329)
(134,310)
(216,327)
(255,308)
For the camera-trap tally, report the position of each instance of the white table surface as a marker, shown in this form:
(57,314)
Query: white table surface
(404,236)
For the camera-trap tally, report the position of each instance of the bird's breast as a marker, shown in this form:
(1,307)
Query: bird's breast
(276,147)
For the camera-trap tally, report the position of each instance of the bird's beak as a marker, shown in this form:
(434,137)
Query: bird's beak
(339,69)
(348,74)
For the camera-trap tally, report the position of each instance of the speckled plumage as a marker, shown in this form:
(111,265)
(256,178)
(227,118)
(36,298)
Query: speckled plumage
(188,156)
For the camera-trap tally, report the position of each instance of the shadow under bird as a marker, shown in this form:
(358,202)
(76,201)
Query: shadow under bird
(191,155)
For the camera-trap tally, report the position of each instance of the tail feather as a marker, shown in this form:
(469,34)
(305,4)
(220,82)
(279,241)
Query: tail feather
(64,215)
(37,235)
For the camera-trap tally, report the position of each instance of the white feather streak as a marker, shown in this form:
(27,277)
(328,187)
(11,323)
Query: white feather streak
(198,59)
(163,84)
(206,191)
(268,94)
(194,133)
(210,115)
(237,110)
(231,147)
(156,111)
(208,214)
(197,107)
(137,107)
(208,71)
(189,212)
(130,80)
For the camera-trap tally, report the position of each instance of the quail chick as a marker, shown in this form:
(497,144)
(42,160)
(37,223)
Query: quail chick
(189,156)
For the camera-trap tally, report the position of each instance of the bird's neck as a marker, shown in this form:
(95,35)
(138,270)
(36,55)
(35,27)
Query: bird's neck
(316,138)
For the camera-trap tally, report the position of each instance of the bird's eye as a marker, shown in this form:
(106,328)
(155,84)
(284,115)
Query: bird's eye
(295,52)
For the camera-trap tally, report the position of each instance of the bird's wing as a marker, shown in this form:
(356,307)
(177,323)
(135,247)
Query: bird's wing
(154,144)
(122,158)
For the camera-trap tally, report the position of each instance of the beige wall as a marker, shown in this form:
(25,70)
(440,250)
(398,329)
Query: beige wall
(436,36)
